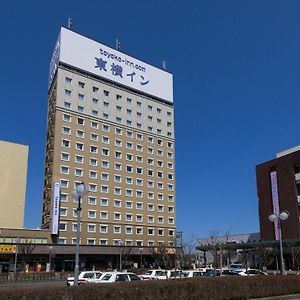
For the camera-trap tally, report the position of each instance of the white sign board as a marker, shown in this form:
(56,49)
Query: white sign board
(275,201)
(55,207)
(93,57)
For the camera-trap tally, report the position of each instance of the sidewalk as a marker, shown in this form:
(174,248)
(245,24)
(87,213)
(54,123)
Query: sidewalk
(283,297)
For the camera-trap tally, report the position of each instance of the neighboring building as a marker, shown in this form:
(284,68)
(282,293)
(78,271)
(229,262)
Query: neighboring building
(110,125)
(13,162)
(278,188)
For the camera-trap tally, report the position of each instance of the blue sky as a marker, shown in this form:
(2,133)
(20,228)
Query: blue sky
(236,67)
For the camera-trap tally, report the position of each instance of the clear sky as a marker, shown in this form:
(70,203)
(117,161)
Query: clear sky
(236,67)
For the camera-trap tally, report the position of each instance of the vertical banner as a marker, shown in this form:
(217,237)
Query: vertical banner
(55,207)
(275,201)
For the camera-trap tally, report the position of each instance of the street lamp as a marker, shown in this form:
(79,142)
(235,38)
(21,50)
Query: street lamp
(141,252)
(77,194)
(50,256)
(120,244)
(278,217)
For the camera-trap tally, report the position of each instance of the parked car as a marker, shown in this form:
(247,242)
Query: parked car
(154,275)
(236,268)
(174,274)
(212,273)
(110,277)
(192,273)
(229,273)
(85,277)
(252,272)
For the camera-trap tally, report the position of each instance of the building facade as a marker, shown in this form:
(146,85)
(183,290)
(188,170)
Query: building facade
(111,126)
(278,188)
(13,175)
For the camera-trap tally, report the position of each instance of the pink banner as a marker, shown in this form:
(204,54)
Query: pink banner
(275,201)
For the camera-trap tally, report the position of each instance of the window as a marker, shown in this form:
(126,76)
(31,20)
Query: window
(65,156)
(129,134)
(150,172)
(128,193)
(139,182)
(139,115)
(80,121)
(64,183)
(128,204)
(169,114)
(139,104)
(91,228)
(128,217)
(67,105)
(92,187)
(67,93)
(105,104)
(139,205)
(139,148)
(150,195)
(79,146)
(117,216)
(103,242)
(118,108)
(94,112)
(129,111)
(91,242)
(105,140)
(138,125)
(105,128)
(105,176)
(94,125)
(150,139)
(93,149)
(80,133)
(160,232)
(92,214)
(160,185)
(129,157)
(93,162)
(128,230)
(117,191)
(150,161)
(63,212)
(79,159)
(80,108)
(158,131)
(105,164)
(103,215)
(118,131)
(158,110)
(104,202)
(95,101)
(150,128)
(103,228)
(170,209)
(170,176)
(63,197)
(105,152)
(150,207)
(79,172)
(129,180)
(64,170)
(139,170)
(92,201)
(118,97)
(170,154)
(149,107)
(169,124)
(105,116)
(68,80)
(118,143)
(94,137)
(159,152)
(171,221)
(106,93)
(61,241)
(160,197)
(150,118)
(118,119)
(65,143)
(139,159)
(95,89)
(139,194)
(129,145)
(118,166)
(129,169)
(170,197)
(170,166)
(129,101)
(160,220)
(117,178)
(117,229)
(159,174)
(159,163)
(118,154)
(80,96)
(117,203)
(104,189)
(66,130)
(150,219)
(81,84)
(150,231)
(150,150)
(139,230)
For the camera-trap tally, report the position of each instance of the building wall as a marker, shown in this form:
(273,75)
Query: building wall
(13,162)
(287,168)
(145,145)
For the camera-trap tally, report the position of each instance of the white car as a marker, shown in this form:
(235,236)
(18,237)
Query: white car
(237,268)
(154,275)
(110,277)
(252,272)
(191,273)
(174,274)
(85,277)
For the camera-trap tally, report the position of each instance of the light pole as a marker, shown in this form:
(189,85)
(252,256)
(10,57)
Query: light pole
(120,244)
(278,217)
(77,194)
(50,256)
(141,252)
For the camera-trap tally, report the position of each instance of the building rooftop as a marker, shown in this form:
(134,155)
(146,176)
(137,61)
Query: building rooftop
(288,151)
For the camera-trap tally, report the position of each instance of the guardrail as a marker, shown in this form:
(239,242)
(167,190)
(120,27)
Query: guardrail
(31,276)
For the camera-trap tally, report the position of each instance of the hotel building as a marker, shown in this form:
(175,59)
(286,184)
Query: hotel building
(111,126)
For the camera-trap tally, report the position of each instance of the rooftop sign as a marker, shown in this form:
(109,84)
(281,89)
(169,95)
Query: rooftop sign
(93,57)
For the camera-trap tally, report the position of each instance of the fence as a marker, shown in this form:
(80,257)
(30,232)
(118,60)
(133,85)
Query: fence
(31,276)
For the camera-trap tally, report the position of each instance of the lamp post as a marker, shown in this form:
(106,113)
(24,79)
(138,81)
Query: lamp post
(120,244)
(50,256)
(77,194)
(278,217)
(141,252)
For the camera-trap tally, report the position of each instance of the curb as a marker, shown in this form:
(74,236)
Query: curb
(283,297)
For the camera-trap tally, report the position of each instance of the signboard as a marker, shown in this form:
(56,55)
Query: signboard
(93,57)
(275,201)
(7,249)
(55,207)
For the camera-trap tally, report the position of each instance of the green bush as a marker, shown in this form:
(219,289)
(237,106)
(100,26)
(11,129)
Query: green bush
(181,289)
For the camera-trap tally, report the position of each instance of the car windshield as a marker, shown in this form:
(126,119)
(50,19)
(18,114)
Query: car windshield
(148,273)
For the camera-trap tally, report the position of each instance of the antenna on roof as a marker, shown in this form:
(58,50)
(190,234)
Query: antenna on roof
(70,22)
(118,44)
(164,65)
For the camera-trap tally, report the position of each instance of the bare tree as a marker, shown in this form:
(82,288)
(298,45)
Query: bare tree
(163,256)
(25,248)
